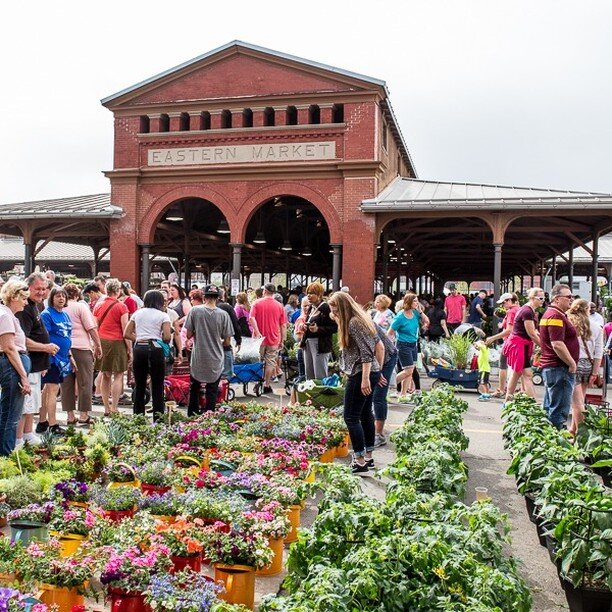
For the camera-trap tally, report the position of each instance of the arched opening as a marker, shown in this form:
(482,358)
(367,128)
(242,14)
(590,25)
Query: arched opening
(192,240)
(288,242)
(422,254)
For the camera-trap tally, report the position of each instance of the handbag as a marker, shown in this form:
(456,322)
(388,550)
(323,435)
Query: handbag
(598,382)
(168,353)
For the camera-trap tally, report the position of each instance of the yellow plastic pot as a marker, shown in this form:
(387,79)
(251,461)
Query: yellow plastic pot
(294,516)
(239,583)
(277,545)
(69,542)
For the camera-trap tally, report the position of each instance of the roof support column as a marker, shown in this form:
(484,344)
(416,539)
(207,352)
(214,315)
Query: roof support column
(553,271)
(497,261)
(570,267)
(595,267)
(145,250)
(236,266)
(337,266)
(385,265)
(29,259)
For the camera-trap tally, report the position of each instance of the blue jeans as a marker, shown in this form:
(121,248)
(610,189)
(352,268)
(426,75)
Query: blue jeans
(228,364)
(559,384)
(358,414)
(379,395)
(11,402)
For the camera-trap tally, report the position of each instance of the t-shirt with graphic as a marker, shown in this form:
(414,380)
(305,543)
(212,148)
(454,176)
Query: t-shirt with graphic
(59,326)
(555,326)
(407,328)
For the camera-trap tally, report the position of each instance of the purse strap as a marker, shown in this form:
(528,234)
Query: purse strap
(106,312)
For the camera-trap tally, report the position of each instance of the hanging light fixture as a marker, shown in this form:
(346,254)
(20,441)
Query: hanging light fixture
(175,214)
(307,252)
(277,202)
(260,238)
(286,244)
(223,227)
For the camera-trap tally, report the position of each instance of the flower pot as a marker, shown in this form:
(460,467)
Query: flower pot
(62,597)
(293,514)
(193,562)
(118,515)
(276,567)
(148,489)
(530,504)
(69,542)
(311,475)
(3,521)
(586,599)
(27,531)
(551,546)
(7,579)
(132,483)
(239,583)
(541,527)
(76,504)
(165,518)
(122,601)
(327,456)
(342,450)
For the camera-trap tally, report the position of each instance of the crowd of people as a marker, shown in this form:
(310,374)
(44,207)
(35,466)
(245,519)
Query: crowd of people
(81,344)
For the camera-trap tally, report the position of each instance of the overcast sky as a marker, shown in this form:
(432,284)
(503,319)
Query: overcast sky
(511,93)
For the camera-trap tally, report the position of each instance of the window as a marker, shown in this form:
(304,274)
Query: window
(314,114)
(247,117)
(164,123)
(385,131)
(292,117)
(338,113)
(145,124)
(269,117)
(226,119)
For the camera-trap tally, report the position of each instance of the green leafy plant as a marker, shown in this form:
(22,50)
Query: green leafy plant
(459,347)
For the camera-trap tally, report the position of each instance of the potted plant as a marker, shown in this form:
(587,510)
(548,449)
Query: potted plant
(61,579)
(30,523)
(127,575)
(117,503)
(121,474)
(156,477)
(236,555)
(183,538)
(71,526)
(164,507)
(4,510)
(10,554)
(270,521)
(211,508)
(73,492)
(21,491)
(184,592)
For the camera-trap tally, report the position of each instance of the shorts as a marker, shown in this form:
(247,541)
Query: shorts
(33,402)
(503,362)
(483,378)
(407,352)
(52,376)
(269,355)
(584,369)
(114,356)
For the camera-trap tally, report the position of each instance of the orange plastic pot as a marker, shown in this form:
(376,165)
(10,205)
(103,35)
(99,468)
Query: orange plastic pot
(327,456)
(342,450)
(239,583)
(276,567)
(294,516)
(61,597)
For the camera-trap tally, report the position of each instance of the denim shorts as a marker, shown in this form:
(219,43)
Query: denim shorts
(407,352)
(52,376)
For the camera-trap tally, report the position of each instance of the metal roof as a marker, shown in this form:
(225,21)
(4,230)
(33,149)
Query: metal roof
(14,250)
(415,194)
(604,251)
(97,206)
(251,47)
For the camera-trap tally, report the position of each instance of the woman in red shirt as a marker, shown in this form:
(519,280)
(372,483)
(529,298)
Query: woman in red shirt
(112,317)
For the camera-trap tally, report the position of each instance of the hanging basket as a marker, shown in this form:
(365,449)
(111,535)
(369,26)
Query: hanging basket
(239,583)
(131,483)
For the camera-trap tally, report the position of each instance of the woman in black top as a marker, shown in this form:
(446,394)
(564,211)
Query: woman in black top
(318,332)
(437,322)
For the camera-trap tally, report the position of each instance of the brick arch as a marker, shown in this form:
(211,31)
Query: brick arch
(148,225)
(316,198)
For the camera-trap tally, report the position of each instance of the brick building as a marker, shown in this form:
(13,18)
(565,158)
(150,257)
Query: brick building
(244,144)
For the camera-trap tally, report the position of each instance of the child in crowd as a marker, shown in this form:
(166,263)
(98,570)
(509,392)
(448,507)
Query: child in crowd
(484,371)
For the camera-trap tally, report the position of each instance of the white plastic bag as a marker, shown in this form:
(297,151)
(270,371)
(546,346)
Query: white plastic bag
(249,350)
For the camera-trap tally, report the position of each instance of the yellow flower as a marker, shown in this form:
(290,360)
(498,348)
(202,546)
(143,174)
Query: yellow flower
(439,571)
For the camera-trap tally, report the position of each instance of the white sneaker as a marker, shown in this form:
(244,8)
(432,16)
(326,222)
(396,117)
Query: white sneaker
(18,443)
(32,438)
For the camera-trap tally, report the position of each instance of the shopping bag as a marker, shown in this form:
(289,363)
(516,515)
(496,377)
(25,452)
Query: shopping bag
(249,350)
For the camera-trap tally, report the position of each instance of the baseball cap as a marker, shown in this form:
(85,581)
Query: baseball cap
(211,290)
(270,287)
(505,296)
(452,287)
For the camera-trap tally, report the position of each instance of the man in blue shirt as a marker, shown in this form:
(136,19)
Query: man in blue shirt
(477,313)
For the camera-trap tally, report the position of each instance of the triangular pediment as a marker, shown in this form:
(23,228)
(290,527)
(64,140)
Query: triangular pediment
(239,70)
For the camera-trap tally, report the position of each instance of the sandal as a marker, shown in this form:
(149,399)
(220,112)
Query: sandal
(88,421)
(73,422)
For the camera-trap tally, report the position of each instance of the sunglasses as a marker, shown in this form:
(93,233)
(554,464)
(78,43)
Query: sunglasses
(567,296)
